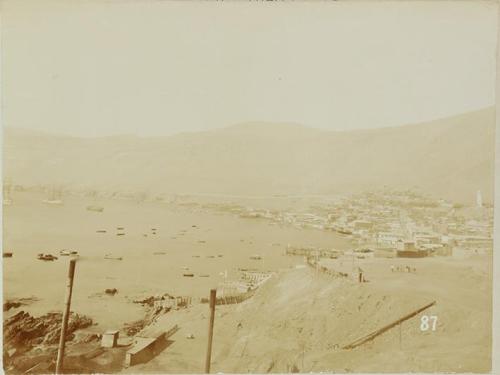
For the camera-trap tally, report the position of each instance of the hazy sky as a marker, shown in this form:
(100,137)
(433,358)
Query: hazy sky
(156,67)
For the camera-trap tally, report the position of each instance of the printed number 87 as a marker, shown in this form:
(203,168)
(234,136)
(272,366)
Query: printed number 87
(424,322)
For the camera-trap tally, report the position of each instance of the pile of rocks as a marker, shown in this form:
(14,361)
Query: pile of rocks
(23,332)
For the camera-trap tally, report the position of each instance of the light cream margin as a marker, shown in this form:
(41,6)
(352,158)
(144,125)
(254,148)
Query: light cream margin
(496,245)
(496,238)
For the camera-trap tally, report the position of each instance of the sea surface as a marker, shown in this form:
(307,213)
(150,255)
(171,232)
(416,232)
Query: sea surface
(187,236)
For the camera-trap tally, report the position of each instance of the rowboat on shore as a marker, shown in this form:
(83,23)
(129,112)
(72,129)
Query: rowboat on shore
(7,255)
(188,274)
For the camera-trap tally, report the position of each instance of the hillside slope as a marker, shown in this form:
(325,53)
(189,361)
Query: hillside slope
(452,157)
(302,320)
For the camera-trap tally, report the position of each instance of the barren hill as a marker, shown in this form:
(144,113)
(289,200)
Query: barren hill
(451,157)
(303,320)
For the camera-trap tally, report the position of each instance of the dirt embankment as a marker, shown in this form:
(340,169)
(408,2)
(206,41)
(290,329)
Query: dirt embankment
(301,320)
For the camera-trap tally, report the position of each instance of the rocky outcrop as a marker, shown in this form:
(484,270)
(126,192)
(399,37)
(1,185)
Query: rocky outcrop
(18,302)
(22,331)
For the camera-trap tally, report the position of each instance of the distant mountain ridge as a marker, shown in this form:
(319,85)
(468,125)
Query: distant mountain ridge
(451,157)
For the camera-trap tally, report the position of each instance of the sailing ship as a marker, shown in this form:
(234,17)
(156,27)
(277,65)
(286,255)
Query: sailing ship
(7,200)
(54,198)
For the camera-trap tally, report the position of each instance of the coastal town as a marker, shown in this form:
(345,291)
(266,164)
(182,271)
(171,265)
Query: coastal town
(378,223)
(249,187)
(375,237)
(398,223)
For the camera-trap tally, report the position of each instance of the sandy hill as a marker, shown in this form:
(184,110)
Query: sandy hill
(303,320)
(451,157)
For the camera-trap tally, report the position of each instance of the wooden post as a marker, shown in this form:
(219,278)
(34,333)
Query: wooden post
(400,334)
(210,330)
(65,317)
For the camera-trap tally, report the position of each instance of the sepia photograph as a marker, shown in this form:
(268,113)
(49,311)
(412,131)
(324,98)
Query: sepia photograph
(194,187)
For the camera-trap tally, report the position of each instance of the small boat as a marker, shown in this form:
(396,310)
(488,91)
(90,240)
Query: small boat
(107,256)
(220,255)
(101,231)
(185,268)
(210,256)
(202,241)
(46,257)
(196,256)
(204,275)
(120,228)
(7,255)
(95,208)
(344,231)
(256,257)
(66,252)
(188,274)
(120,234)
